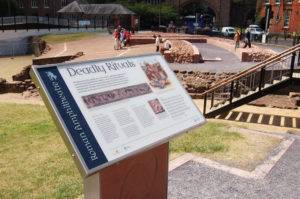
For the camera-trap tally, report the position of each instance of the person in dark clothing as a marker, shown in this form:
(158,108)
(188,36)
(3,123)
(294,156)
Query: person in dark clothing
(247,39)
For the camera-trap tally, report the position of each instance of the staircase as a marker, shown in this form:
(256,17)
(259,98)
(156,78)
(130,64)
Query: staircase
(274,73)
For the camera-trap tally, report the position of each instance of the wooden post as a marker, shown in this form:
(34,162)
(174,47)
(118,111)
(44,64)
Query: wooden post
(142,176)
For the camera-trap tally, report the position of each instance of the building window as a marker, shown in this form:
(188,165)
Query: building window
(288,1)
(63,3)
(287,17)
(277,2)
(46,4)
(267,1)
(20,3)
(34,4)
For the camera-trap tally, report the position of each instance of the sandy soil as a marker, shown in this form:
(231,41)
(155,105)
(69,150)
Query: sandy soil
(18,98)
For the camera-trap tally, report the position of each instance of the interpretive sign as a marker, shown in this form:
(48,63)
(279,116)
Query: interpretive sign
(108,110)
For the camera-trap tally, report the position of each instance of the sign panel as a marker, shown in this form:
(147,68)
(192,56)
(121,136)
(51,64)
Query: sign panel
(111,109)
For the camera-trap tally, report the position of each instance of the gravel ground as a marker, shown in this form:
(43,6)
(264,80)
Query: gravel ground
(229,62)
(193,180)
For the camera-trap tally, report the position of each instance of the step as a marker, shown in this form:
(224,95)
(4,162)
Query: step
(275,81)
(284,78)
(296,75)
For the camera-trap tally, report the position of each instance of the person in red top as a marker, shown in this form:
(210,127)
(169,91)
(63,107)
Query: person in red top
(117,39)
(127,37)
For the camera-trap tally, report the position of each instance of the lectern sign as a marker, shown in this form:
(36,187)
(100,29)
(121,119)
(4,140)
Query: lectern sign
(110,109)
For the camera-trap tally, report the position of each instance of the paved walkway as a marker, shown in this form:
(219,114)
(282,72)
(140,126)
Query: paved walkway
(194,181)
(229,62)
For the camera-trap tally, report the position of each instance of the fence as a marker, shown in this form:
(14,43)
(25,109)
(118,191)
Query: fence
(38,22)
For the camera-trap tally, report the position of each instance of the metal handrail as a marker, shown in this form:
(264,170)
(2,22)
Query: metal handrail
(254,68)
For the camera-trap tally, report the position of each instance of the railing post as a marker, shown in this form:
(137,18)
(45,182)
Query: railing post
(212,99)
(102,21)
(205,101)
(15,23)
(237,88)
(38,22)
(26,22)
(292,64)
(95,23)
(77,23)
(261,79)
(2,22)
(68,23)
(48,23)
(58,22)
(231,92)
(298,64)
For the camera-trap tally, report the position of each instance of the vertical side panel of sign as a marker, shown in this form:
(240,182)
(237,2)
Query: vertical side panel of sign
(82,139)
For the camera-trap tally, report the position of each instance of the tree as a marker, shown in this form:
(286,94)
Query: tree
(8,7)
(149,14)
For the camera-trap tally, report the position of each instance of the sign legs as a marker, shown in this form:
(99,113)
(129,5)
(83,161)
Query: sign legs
(142,176)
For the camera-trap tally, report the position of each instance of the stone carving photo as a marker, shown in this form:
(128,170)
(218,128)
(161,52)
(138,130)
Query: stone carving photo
(157,76)
(156,106)
(107,97)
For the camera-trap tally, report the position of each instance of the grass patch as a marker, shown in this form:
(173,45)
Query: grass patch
(212,137)
(215,141)
(60,38)
(34,161)
(12,65)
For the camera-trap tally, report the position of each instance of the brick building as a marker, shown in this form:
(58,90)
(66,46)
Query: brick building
(284,15)
(42,7)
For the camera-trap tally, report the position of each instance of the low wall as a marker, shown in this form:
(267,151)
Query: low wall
(147,38)
(55,60)
(253,54)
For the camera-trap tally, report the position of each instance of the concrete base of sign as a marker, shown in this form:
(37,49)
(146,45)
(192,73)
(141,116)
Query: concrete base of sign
(143,176)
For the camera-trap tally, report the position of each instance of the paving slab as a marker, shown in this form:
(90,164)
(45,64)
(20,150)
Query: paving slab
(195,180)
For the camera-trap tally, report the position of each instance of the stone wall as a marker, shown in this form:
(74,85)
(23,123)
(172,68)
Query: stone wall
(22,81)
(182,51)
(198,82)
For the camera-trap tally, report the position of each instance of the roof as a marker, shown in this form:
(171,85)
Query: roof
(95,9)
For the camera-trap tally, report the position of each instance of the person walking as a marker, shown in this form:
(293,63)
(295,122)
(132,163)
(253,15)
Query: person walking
(248,39)
(117,39)
(237,39)
(157,42)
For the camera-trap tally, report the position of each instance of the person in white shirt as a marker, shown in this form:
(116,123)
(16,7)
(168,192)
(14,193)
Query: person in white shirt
(157,42)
